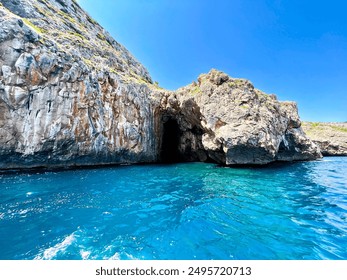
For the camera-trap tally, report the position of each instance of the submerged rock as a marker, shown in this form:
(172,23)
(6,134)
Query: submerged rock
(70,95)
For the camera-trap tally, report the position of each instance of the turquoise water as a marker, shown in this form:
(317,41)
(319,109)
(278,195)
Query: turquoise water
(180,211)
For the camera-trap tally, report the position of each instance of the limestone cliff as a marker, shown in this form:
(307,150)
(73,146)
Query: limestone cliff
(228,121)
(330,137)
(71,95)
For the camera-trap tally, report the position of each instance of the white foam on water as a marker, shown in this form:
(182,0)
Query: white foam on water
(327,160)
(116,256)
(23,212)
(51,252)
(85,254)
(131,257)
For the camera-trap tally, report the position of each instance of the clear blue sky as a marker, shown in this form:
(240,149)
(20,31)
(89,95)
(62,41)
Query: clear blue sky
(296,49)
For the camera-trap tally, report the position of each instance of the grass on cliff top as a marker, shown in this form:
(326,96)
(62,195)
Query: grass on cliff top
(195,90)
(342,129)
(316,126)
(236,83)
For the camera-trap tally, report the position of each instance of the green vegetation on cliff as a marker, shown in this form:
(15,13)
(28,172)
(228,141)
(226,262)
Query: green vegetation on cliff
(330,137)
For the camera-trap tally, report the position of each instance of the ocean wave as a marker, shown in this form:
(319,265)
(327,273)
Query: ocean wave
(52,252)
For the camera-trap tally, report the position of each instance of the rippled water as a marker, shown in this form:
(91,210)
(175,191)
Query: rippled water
(181,211)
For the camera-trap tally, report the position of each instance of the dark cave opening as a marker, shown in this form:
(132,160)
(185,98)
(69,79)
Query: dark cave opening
(170,141)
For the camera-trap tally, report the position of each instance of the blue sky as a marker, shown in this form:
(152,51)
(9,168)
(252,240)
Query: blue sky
(296,49)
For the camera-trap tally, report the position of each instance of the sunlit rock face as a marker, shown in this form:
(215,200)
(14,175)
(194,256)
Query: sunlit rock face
(228,121)
(70,95)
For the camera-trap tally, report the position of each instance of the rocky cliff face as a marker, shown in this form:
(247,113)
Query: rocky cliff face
(330,137)
(71,95)
(228,121)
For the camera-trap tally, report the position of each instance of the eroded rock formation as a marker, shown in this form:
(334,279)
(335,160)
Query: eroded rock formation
(228,121)
(71,95)
(330,137)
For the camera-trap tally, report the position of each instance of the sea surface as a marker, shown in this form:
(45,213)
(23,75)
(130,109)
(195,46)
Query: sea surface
(178,211)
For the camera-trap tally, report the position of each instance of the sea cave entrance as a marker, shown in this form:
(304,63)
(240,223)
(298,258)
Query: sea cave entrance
(170,140)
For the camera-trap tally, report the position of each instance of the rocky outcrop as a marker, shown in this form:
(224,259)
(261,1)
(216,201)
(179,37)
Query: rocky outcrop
(330,137)
(228,121)
(70,95)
